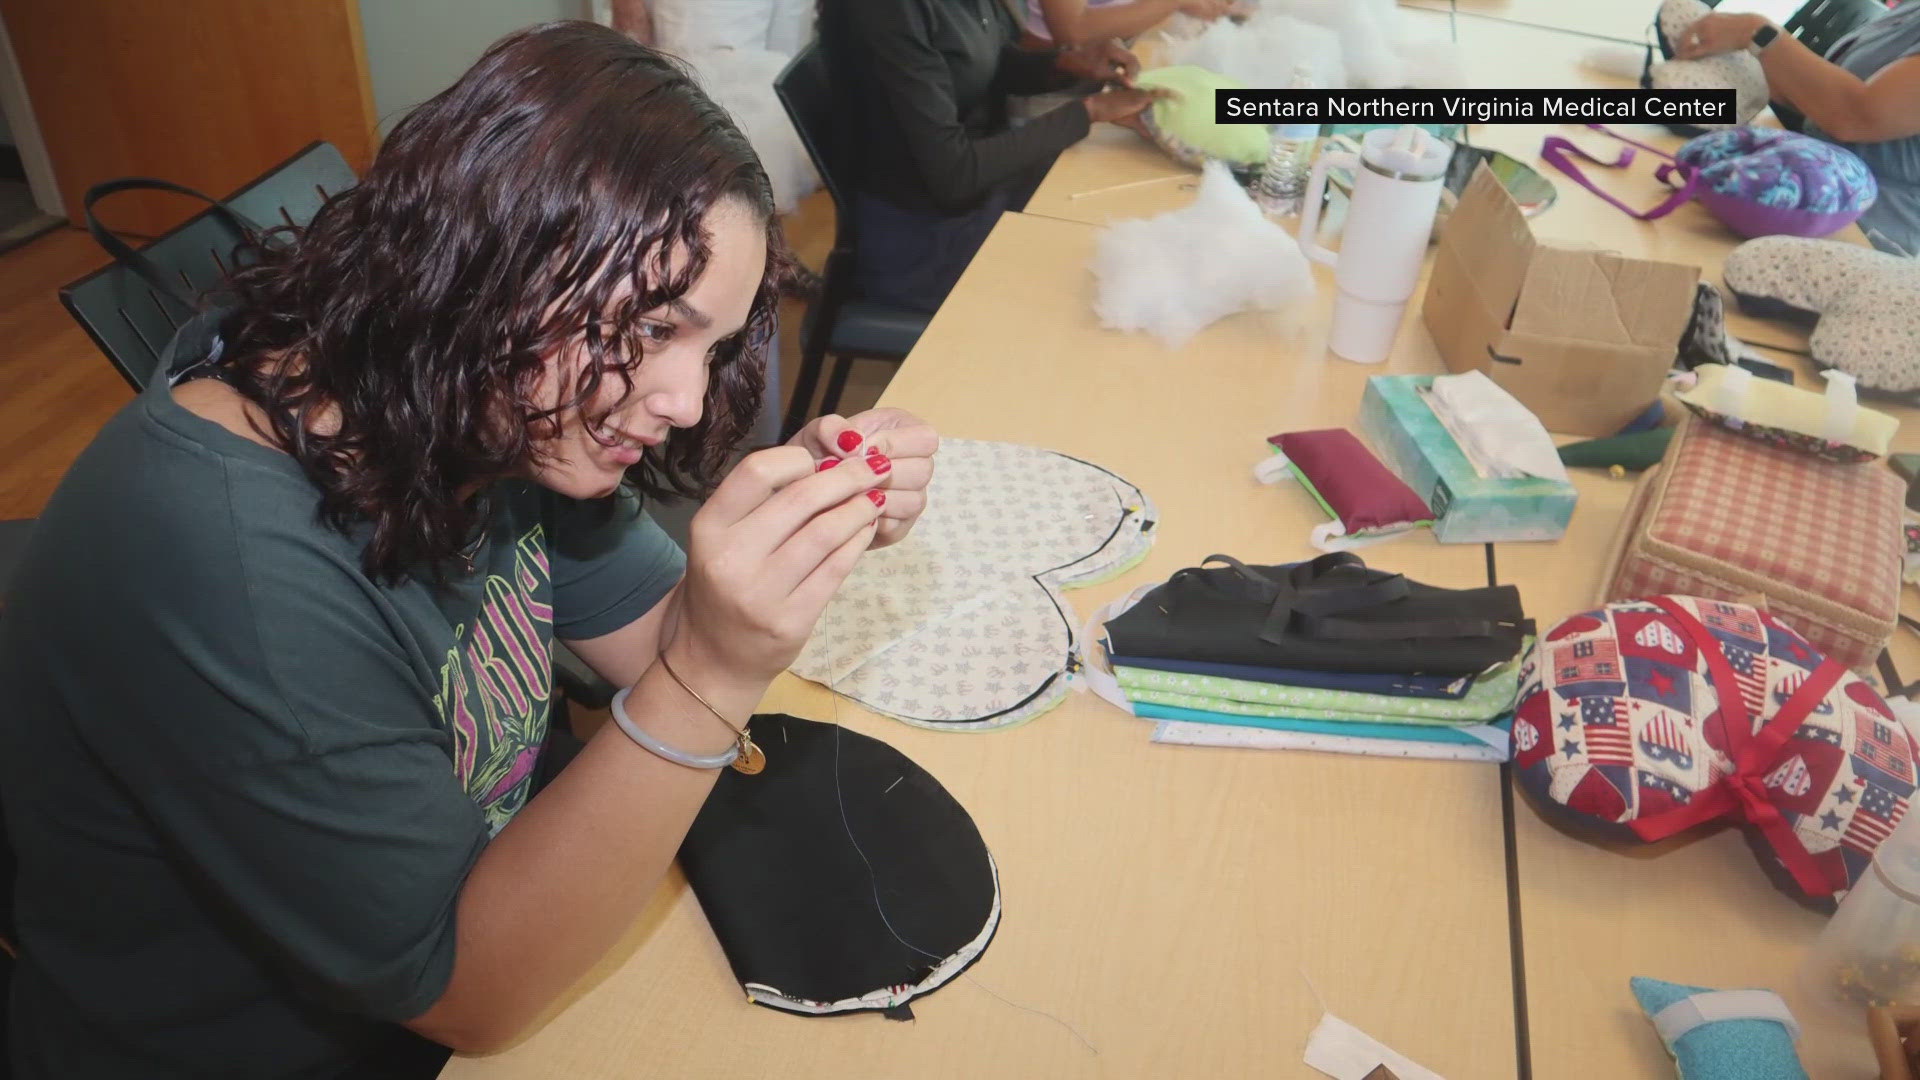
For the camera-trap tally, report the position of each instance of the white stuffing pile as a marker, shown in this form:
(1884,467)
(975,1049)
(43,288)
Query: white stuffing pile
(1175,274)
(1343,44)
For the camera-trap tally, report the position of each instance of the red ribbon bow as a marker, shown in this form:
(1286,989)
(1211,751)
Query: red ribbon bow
(1743,792)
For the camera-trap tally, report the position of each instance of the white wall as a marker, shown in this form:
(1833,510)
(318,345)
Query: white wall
(416,48)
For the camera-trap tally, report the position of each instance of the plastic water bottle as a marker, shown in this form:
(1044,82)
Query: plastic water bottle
(1289,160)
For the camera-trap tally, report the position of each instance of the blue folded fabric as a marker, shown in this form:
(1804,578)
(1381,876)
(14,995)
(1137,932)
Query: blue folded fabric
(1448,687)
(1428,733)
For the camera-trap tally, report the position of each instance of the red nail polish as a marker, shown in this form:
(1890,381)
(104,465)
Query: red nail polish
(849,440)
(878,497)
(872,449)
(826,463)
(879,463)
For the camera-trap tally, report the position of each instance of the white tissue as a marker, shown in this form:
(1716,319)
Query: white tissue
(1345,44)
(1497,433)
(1175,274)
(1344,1052)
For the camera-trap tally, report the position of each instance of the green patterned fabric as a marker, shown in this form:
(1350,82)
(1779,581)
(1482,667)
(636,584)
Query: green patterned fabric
(1491,695)
(1286,712)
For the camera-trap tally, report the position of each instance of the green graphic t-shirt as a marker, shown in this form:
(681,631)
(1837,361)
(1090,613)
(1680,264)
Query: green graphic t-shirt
(246,782)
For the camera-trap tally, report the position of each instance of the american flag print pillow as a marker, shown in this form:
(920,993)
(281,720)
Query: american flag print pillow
(1620,719)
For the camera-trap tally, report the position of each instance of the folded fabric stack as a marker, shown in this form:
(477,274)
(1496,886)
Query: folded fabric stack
(1328,655)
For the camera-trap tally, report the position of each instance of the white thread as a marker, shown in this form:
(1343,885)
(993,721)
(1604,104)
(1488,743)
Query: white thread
(873,879)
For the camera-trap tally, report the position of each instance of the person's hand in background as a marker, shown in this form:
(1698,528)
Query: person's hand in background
(1101,62)
(1720,32)
(632,18)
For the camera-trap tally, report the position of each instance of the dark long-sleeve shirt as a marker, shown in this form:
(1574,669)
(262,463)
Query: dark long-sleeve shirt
(924,84)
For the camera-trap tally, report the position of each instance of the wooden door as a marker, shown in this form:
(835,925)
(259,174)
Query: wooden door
(207,93)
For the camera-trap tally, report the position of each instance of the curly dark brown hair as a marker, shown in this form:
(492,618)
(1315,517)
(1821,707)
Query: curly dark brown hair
(496,224)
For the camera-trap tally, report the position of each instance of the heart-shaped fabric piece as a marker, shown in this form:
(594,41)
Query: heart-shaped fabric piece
(837,817)
(962,626)
(1766,182)
(1645,718)
(1864,304)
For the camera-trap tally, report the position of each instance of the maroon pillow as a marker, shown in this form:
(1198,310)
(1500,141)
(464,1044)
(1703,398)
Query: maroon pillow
(1350,483)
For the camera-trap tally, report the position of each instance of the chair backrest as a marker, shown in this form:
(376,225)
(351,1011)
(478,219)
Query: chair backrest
(806,90)
(132,322)
(1819,24)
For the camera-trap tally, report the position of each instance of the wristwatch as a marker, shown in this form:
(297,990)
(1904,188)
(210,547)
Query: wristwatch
(1763,37)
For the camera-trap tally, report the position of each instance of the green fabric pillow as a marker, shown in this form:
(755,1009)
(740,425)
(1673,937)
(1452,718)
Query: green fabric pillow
(1636,452)
(1183,125)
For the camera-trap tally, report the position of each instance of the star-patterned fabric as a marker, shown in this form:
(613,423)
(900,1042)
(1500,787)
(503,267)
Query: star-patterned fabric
(962,626)
(1619,720)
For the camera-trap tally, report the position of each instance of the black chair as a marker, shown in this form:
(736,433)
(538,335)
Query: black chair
(1819,24)
(131,318)
(839,323)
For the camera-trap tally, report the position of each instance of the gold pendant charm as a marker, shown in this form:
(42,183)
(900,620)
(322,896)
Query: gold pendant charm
(750,760)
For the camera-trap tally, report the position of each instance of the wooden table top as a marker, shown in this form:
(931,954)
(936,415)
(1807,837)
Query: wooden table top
(1163,900)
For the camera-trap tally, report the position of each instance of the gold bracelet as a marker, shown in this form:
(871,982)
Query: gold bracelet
(750,760)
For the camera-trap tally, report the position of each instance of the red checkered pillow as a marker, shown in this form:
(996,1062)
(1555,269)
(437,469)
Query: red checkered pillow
(1812,535)
(1646,718)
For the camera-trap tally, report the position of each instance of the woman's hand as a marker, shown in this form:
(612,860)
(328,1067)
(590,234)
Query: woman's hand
(1210,10)
(1711,35)
(1101,62)
(908,444)
(764,555)
(1122,106)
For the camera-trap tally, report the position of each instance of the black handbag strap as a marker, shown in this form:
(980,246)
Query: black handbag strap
(132,258)
(1310,600)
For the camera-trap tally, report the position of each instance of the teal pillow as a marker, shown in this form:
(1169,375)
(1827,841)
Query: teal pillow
(1183,125)
(1745,1046)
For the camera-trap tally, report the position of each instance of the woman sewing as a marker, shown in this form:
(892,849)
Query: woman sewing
(936,160)
(1864,95)
(277,671)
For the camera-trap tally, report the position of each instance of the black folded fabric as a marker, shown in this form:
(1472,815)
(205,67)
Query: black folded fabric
(813,924)
(1331,614)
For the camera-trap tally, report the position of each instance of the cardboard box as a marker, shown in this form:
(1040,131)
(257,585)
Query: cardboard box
(1582,338)
(1469,508)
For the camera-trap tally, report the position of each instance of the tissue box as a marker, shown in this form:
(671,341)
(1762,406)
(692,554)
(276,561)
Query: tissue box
(1469,508)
